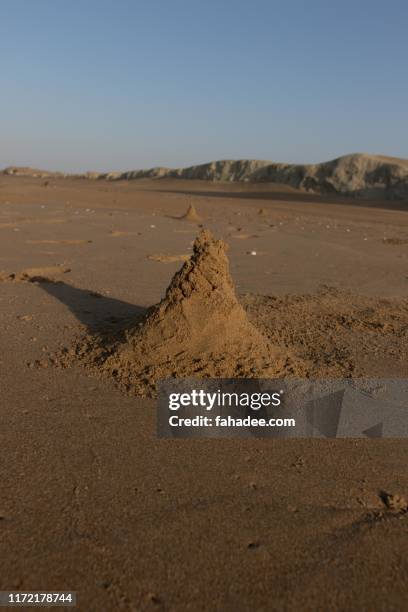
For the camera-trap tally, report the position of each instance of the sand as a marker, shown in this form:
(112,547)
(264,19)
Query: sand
(91,499)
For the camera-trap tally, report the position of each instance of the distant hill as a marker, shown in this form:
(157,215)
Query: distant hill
(359,174)
(27,171)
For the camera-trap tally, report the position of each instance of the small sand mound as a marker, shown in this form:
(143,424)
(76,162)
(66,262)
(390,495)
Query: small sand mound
(394,503)
(198,329)
(191,215)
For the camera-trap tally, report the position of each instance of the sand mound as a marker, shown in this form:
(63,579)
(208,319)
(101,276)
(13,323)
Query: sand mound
(395,503)
(191,215)
(198,329)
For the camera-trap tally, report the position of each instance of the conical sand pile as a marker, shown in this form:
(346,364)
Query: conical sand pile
(191,215)
(198,329)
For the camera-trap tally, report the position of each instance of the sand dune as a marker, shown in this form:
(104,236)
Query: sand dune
(359,174)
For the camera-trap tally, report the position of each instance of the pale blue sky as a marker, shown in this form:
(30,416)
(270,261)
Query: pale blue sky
(121,84)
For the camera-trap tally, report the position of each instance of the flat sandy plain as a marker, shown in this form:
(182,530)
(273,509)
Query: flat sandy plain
(92,501)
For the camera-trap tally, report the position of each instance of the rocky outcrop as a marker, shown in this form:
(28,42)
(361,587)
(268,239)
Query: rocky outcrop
(358,175)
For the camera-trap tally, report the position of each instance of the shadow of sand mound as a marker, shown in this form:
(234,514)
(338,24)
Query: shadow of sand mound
(199,329)
(95,311)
